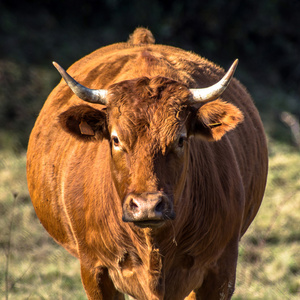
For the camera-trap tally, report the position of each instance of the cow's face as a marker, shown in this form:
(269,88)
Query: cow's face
(148,123)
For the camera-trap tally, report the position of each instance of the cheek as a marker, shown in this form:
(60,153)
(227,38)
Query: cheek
(174,169)
(120,172)
(178,166)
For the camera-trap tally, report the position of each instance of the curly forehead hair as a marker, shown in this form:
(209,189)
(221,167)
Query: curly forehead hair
(145,91)
(156,103)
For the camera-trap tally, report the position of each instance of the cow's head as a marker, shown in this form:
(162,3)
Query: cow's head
(148,123)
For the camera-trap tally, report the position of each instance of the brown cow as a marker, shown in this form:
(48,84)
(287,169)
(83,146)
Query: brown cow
(145,184)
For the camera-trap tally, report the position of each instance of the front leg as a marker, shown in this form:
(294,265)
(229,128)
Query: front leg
(98,285)
(219,282)
(213,287)
(216,288)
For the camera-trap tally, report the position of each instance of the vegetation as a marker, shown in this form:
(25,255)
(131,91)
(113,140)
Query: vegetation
(263,35)
(33,266)
(269,257)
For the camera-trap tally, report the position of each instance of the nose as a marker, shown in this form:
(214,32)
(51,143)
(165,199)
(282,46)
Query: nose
(148,209)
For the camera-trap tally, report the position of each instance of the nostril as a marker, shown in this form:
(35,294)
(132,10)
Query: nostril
(160,206)
(133,205)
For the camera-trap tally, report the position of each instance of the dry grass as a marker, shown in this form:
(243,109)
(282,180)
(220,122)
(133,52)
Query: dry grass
(269,262)
(32,266)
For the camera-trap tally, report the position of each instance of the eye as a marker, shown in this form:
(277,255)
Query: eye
(181,141)
(115,141)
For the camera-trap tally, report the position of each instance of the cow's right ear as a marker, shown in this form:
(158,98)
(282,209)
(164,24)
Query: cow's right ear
(84,122)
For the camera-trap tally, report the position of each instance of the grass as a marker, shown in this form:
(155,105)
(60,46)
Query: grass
(37,267)
(33,266)
(269,256)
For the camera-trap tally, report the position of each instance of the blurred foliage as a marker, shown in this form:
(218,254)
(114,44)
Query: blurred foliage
(264,35)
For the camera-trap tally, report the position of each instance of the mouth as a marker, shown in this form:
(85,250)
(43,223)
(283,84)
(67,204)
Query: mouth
(149,223)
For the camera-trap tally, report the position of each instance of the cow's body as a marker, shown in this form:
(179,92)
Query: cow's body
(78,194)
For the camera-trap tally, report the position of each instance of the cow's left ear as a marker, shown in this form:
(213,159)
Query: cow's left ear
(84,122)
(212,120)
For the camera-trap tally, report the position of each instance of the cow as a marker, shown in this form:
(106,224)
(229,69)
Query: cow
(148,164)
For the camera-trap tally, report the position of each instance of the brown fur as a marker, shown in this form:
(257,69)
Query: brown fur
(78,175)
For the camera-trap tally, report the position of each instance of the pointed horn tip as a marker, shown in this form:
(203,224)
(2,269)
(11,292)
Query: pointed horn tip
(58,67)
(229,74)
(55,64)
(234,65)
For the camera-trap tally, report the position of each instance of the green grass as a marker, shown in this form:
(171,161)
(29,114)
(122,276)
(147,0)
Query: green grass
(269,256)
(269,261)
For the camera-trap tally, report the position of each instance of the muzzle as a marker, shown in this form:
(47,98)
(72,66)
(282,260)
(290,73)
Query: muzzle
(148,209)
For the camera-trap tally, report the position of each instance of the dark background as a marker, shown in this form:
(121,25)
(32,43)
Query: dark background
(264,35)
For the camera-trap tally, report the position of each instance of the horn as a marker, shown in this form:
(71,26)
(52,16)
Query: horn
(216,90)
(86,94)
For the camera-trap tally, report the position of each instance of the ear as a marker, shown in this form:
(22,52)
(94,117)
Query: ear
(214,119)
(84,122)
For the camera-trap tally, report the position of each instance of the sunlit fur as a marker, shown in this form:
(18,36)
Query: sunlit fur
(215,179)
